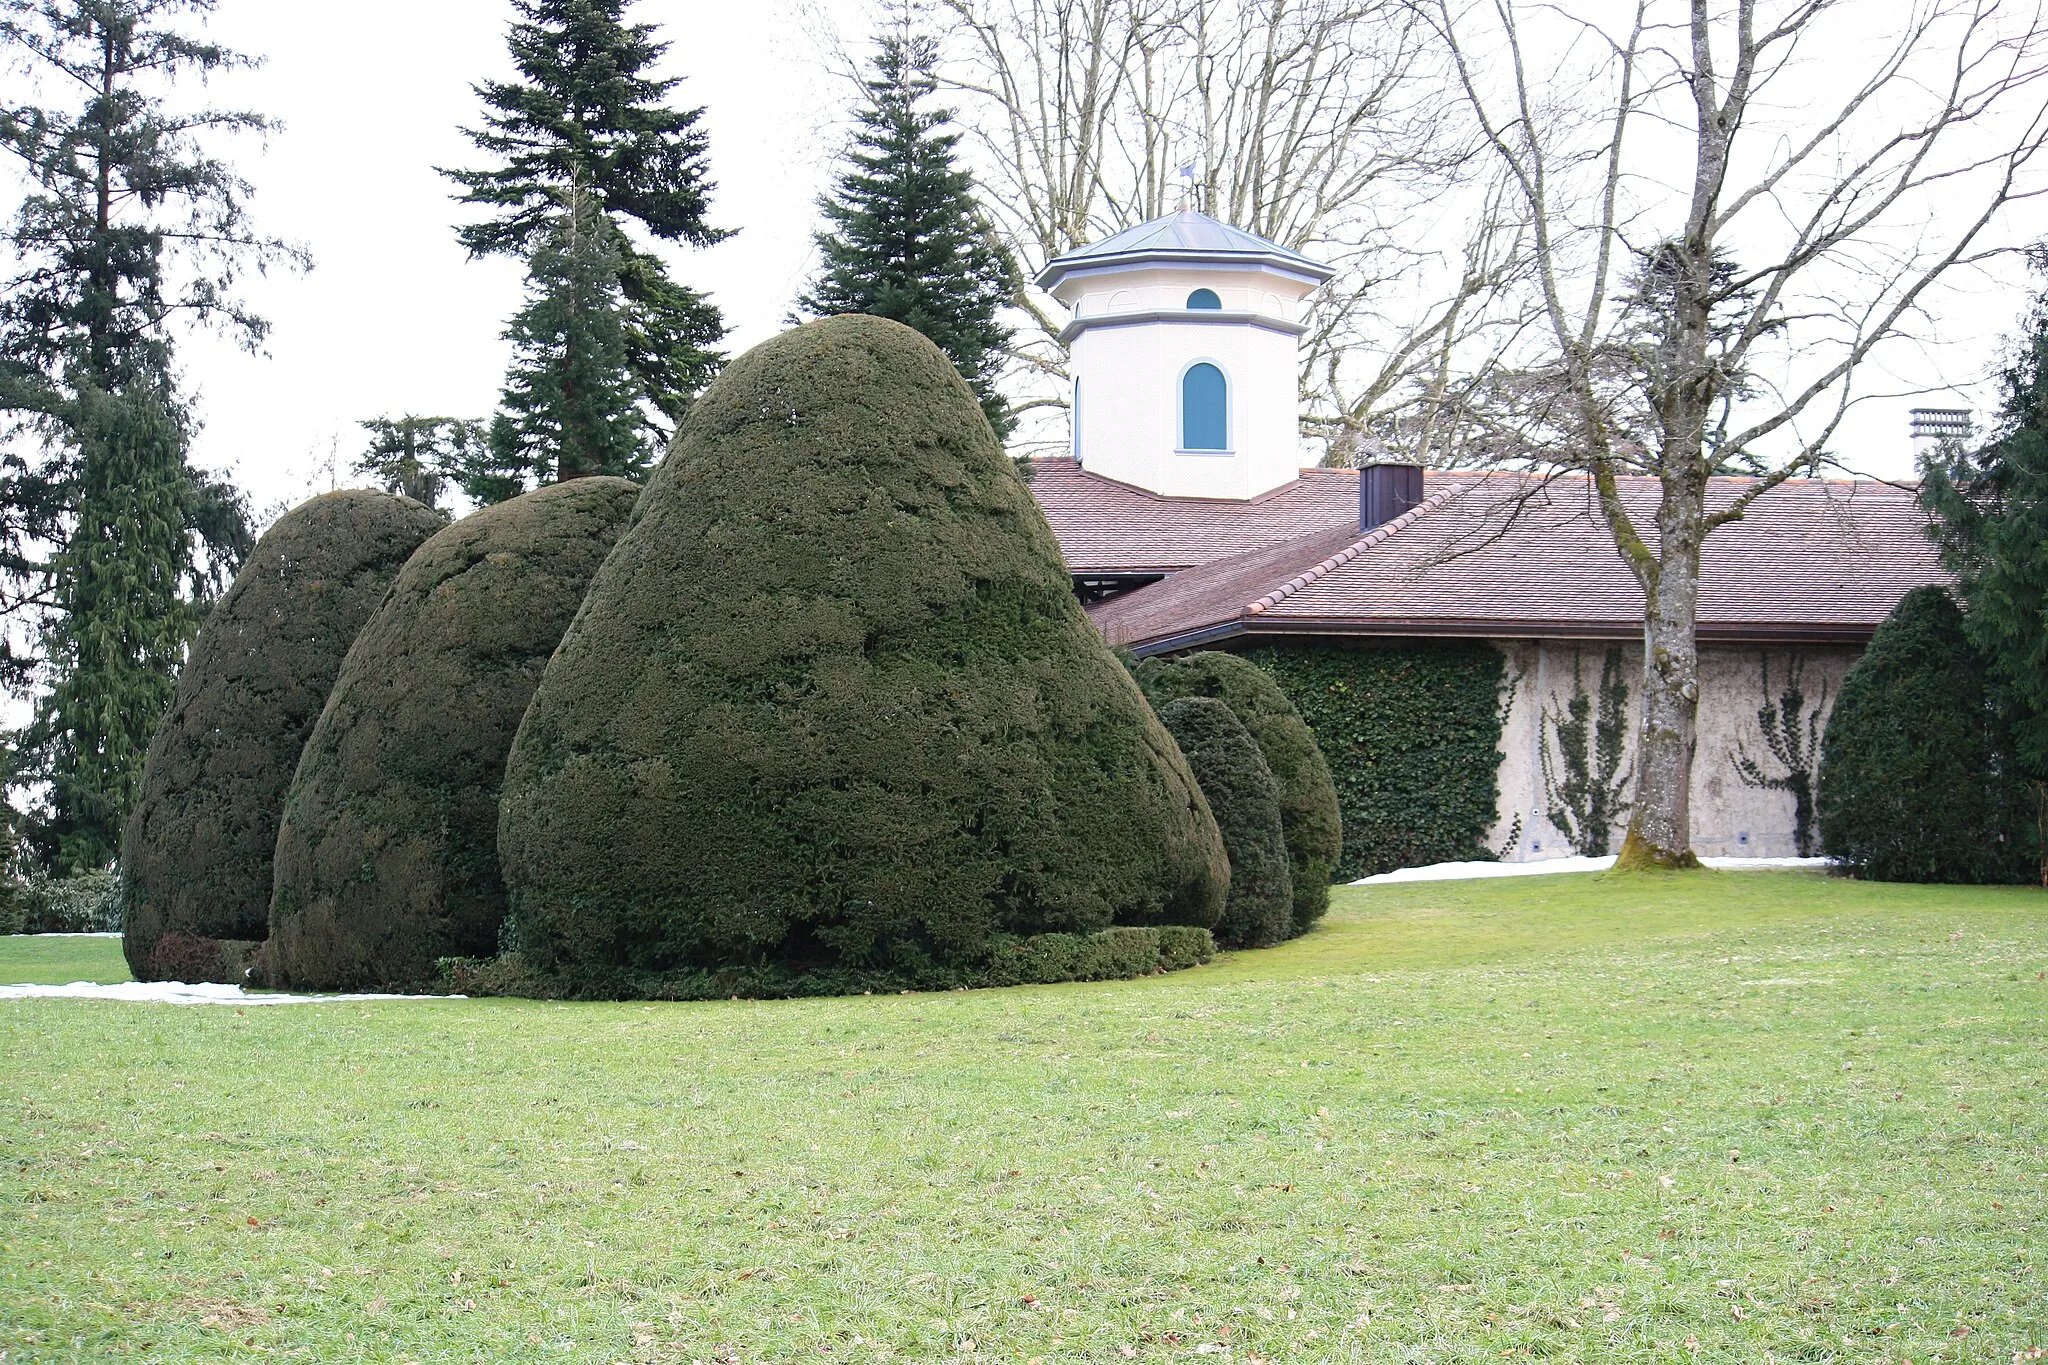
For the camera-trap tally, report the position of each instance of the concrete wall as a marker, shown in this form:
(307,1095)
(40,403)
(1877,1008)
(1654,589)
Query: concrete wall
(1729,816)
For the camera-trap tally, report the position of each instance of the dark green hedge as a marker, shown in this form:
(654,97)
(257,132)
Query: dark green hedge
(387,859)
(1108,955)
(1412,734)
(1309,817)
(196,855)
(831,708)
(1246,802)
(1917,774)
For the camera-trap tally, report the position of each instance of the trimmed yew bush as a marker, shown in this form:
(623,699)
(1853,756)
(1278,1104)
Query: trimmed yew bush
(1918,782)
(830,709)
(1309,816)
(1246,802)
(196,854)
(387,858)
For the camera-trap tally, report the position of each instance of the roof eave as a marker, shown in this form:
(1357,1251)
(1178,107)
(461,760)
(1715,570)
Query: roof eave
(1382,627)
(1310,272)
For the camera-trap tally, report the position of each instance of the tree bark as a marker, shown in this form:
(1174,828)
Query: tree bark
(1660,824)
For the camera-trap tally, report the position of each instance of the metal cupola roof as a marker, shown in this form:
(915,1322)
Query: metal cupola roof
(1184,238)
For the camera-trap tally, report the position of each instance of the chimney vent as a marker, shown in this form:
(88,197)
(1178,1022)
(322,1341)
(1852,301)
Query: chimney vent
(1385,491)
(1934,428)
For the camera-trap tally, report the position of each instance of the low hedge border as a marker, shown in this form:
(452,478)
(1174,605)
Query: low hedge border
(1042,959)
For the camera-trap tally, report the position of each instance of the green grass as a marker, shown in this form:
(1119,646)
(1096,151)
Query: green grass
(1733,1117)
(60,958)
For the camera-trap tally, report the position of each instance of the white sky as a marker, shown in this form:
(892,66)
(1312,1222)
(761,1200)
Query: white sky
(395,319)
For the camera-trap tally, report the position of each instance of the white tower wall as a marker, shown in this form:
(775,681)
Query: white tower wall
(1133,337)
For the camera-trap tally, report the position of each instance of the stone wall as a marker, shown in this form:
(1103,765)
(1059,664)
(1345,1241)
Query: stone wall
(1731,816)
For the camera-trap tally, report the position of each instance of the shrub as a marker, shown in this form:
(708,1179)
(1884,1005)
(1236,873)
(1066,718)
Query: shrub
(197,850)
(1246,802)
(831,708)
(1107,955)
(1917,776)
(387,856)
(82,903)
(1309,817)
(1412,736)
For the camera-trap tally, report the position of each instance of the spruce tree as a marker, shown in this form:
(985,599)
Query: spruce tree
(1992,510)
(586,134)
(114,643)
(418,457)
(906,239)
(128,222)
(571,405)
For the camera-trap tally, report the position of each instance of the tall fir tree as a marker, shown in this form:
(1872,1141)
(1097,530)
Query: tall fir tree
(418,457)
(905,238)
(1991,508)
(572,403)
(586,134)
(127,225)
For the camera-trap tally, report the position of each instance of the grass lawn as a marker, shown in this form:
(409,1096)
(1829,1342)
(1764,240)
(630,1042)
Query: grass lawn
(1731,1117)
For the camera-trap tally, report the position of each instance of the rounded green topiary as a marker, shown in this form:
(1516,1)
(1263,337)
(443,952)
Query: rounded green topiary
(830,711)
(1917,776)
(195,857)
(1246,801)
(387,858)
(1308,797)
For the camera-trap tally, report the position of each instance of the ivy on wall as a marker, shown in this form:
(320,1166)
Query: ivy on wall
(1412,735)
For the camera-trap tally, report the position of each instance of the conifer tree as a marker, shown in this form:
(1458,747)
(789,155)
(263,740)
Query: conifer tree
(906,239)
(1992,506)
(418,457)
(128,223)
(572,404)
(587,144)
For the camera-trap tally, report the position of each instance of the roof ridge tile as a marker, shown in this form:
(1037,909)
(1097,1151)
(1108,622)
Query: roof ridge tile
(1376,536)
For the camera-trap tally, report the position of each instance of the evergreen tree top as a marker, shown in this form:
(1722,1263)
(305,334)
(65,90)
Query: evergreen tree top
(587,113)
(905,238)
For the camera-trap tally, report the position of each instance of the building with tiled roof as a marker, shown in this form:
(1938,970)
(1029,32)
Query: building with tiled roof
(1188,523)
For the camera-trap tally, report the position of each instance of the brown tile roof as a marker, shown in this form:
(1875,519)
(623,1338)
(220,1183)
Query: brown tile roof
(1506,556)
(1107,527)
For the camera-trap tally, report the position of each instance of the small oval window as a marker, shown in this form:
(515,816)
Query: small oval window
(1204,298)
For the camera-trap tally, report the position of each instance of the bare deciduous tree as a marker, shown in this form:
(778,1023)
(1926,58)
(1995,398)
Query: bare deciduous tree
(1731,205)
(1318,124)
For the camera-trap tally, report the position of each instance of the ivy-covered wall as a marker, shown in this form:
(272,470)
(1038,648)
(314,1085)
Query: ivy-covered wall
(1412,734)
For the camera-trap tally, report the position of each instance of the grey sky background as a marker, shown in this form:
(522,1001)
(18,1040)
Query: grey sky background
(395,319)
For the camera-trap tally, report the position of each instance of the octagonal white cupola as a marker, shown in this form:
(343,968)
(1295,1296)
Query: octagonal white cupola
(1184,347)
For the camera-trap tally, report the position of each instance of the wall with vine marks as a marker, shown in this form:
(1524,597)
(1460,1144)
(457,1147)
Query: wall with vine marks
(1743,802)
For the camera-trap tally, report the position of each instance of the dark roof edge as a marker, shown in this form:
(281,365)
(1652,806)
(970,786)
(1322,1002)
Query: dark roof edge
(1301,267)
(1712,633)
(1211,316)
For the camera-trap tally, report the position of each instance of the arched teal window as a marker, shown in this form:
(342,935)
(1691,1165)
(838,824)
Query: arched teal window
(1204,298)
(1204,408)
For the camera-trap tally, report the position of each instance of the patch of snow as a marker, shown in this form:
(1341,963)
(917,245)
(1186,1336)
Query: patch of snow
(1451,872)
(115,934)
(181,993)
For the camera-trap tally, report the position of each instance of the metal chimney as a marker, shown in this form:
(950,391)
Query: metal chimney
(1934,428)
(1386,490)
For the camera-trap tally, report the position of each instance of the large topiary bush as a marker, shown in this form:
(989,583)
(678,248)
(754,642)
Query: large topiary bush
(830,712)
(1246,801)
(195,856)
(1917,776)
(1309,816)
(1412,736)
(387,858)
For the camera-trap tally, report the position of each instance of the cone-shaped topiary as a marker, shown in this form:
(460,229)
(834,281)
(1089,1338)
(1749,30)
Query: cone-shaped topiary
(195,857)
(1246,801)
(1917,777)
(830,714)
(1308,797)
(387,859)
